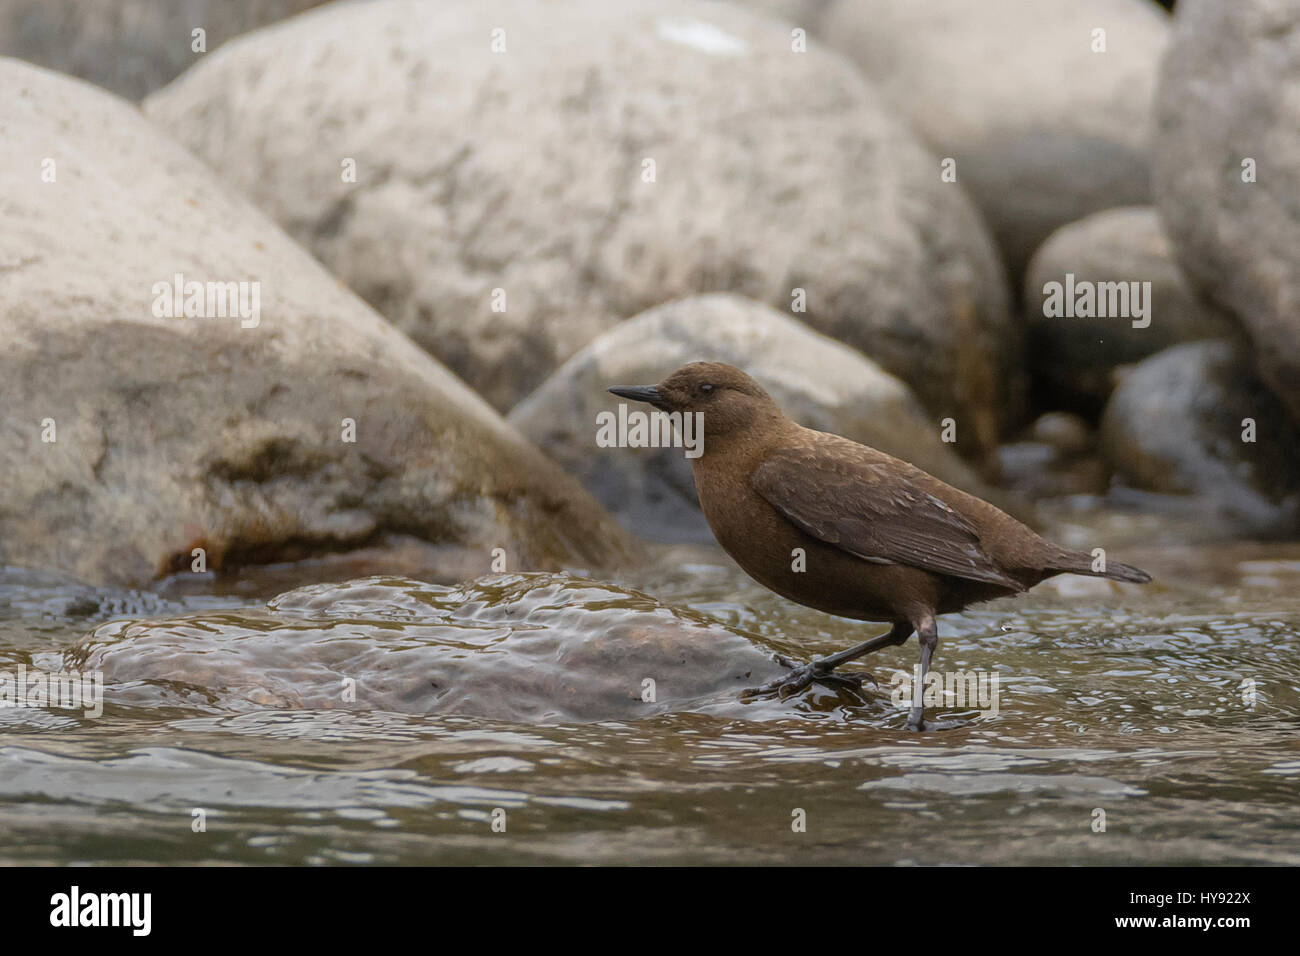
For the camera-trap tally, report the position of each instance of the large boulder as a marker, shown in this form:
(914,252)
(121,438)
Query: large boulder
(131,47)
(1196,421)
(1227,169)
(520,647)
(1074,357)
(1043,129)
(130,438)
(819,382)
(520,180)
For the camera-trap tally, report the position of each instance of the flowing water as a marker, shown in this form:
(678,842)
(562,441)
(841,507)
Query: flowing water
(1154,725)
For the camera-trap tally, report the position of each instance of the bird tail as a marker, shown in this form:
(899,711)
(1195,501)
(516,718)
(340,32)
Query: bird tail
(1077,562)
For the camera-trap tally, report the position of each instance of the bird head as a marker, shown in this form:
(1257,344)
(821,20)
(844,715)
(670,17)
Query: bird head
(728,399)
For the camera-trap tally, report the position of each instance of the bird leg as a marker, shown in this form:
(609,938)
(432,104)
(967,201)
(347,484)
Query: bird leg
(927,633)
(820,668)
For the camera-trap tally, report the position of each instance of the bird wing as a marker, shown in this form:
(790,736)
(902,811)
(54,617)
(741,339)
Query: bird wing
(864,504)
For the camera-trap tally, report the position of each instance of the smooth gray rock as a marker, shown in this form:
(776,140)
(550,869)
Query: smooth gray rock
(1176,423)
(819,382)
(1044,130)
(525,171)
(131,47)
(523,647)
(175,433)
(1227,95)
(1074,358)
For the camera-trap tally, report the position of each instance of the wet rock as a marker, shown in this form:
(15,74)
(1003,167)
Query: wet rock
(521,647)
(131,47)
(1057,457)
(817,381)
(1074,357)
(1064,433)
(509,207)
(1178,424)
(1226,111)
(1043,129)
(130,438)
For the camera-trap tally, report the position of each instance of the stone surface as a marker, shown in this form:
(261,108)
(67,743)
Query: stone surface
(131,47)
(1044,130)
(524,647)
(176,433)
(817,381)
(1227,94)
(1074,358)
(1056,458)
(1175,425)
(797,13)
(1065,433)
(525,171)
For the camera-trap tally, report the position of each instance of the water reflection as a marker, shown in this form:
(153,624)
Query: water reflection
(1174,711)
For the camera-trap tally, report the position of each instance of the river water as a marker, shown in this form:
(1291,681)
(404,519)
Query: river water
(1134,725)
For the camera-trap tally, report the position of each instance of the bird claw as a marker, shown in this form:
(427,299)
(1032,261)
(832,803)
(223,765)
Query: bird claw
(814,673)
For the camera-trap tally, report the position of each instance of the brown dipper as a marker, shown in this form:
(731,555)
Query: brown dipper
(882,539)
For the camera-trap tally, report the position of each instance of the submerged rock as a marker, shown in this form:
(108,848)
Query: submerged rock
(1195,420)
(1044,127)
(817,381)
(524,647)
(1227,169)
(527,175)
(283,419)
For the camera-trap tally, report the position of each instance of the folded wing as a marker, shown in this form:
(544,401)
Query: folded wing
(874,512)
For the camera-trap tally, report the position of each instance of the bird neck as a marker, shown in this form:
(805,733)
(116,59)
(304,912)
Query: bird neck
(744,449)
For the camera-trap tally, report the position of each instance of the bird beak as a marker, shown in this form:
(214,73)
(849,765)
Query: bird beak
(640,393)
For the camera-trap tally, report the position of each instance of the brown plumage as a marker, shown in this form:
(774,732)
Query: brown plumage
(882,539)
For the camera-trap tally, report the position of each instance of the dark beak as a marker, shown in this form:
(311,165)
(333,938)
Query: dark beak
(640,393)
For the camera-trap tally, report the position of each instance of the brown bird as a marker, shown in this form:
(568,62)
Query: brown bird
(882,539)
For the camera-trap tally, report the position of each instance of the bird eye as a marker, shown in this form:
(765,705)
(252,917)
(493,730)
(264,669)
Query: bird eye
(706,388)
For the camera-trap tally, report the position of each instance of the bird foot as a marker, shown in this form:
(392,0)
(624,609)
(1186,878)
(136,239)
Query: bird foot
(920,724)
(818,672)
